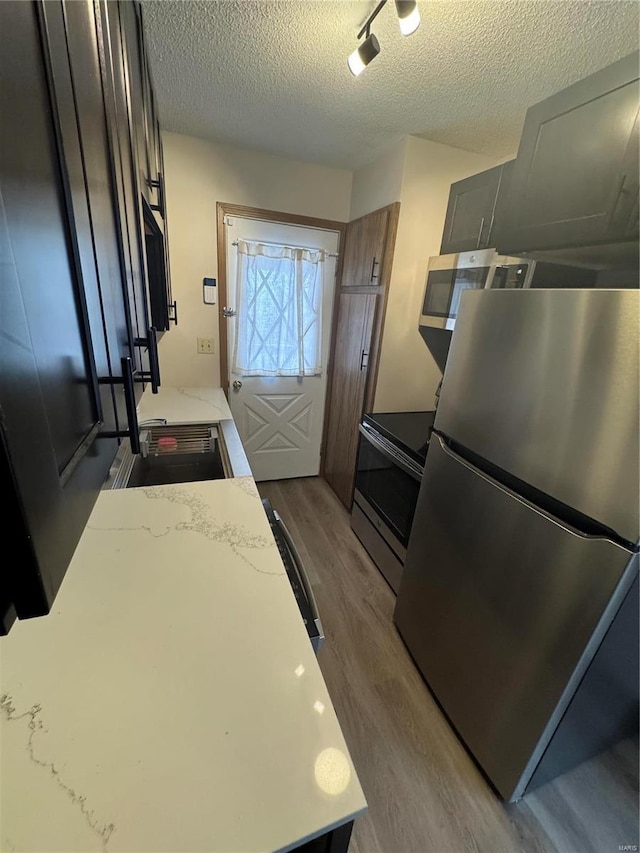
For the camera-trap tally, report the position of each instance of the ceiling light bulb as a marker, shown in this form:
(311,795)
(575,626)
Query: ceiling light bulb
(408,16)
(363,55)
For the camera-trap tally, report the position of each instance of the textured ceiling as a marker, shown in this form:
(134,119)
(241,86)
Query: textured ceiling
(273,76)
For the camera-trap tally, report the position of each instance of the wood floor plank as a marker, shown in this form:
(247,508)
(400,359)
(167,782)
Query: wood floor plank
(425,793)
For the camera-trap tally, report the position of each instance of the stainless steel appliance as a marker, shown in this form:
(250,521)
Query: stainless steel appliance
(391,453)
(449,276)
(297,576)
(519,598)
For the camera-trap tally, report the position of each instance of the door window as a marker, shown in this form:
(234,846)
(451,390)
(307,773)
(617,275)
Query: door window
(279,304)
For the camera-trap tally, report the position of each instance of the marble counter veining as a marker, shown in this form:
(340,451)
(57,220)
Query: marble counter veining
(171,701)
(185,405)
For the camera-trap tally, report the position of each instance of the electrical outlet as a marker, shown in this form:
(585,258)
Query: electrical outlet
(205,346)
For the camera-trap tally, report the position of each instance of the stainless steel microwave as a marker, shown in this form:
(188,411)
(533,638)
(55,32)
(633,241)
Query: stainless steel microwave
(448,276)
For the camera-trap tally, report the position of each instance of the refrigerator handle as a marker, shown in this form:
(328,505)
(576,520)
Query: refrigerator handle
(573,522)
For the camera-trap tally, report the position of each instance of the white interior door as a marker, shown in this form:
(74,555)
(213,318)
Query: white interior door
(280,418)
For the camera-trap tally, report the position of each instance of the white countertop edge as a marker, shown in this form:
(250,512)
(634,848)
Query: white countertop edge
(327,829)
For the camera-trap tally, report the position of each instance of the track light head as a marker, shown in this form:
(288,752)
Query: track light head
(408,16)
(363,55)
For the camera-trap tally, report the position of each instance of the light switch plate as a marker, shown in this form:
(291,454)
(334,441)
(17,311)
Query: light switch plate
(205,346)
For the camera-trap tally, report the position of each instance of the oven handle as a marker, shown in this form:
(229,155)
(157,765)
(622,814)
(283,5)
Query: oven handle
(302,577)
(393,455)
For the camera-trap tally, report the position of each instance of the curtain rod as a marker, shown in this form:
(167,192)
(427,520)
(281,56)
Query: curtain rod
(287,246)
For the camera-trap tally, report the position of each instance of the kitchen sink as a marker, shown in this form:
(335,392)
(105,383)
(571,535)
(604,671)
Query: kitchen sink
(179,453)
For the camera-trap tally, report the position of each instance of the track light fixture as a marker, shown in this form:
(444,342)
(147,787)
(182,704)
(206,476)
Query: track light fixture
(408,20)
(363,55)
(408,16)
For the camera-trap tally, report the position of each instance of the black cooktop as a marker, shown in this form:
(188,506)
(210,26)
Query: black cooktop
(410,431)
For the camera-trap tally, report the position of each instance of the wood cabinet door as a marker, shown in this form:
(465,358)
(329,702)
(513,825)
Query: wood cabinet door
(53,459)
(573,176)
(470,212)
(365,244)
(356,313)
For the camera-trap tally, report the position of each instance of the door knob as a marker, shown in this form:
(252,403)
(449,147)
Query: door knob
(237,385)
(228,312)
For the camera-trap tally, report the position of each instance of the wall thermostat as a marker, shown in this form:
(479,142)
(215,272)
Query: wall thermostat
(209,291)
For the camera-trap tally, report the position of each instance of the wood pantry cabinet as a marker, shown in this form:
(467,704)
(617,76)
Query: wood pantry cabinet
(77,344)
(359,318)
(575,179)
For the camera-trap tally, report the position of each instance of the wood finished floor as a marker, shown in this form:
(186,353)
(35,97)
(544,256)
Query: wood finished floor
(425,794)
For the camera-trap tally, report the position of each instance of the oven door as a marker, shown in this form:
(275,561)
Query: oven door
(387,484)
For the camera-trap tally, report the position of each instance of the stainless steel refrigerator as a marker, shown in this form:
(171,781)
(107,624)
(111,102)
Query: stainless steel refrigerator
(519,599)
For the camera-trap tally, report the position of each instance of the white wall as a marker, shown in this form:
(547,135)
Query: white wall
(380,182)
(198,174)
(408,375)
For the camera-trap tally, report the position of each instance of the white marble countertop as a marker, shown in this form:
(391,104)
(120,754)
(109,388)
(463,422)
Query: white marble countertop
(184,405)
(171,701)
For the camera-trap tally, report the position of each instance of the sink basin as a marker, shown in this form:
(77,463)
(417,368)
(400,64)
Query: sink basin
(180,468)
(171,454)
(180,453)
(177,454)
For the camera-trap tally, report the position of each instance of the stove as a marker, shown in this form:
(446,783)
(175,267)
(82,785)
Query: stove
(409,431)
(391,455)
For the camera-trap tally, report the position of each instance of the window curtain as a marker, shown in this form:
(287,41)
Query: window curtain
(279,310)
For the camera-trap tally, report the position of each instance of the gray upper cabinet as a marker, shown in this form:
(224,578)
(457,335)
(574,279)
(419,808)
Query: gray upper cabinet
(575,179)
(471,211)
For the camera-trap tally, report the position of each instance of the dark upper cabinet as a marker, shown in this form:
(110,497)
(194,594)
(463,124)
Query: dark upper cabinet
(76,269)
(117,103)
(148,159)
(471,212)
(55,384)
(575,179)
(78,86)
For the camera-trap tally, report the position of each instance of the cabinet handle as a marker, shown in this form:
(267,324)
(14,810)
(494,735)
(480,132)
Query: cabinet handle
(127,381)
(493,216)
(479,240)
(373,269)
(153,374)
(158,185)
(130,403)
(621,192)
(364,359)
(154,361)
(174,305)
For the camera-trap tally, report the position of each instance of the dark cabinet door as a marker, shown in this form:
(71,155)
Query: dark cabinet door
(575,180)
(471,212)
(52,412)
(117,102)
(73,48)
(147,158)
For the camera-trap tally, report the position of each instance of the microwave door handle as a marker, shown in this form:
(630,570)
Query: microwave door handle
(302,575)
(387,450)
